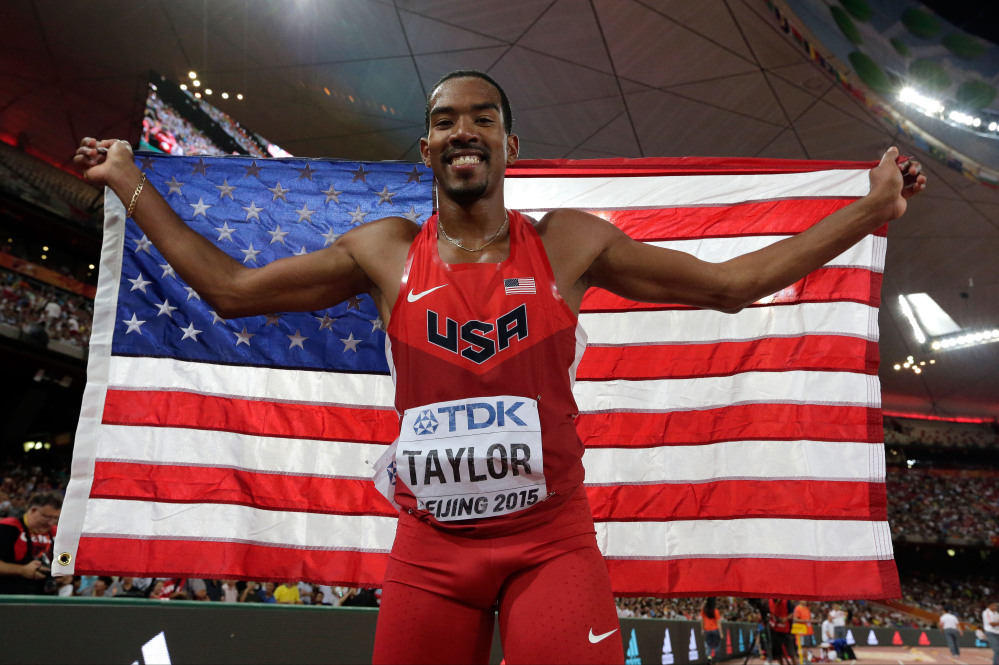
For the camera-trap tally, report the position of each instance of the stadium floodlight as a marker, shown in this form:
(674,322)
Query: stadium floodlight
(963,340)
(907,311)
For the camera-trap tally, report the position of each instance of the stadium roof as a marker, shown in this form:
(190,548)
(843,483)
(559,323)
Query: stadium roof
(588,78)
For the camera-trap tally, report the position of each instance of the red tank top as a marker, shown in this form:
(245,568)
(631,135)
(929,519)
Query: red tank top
(475,330)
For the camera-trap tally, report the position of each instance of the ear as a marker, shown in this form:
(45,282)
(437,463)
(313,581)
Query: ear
(512,148)
(425,151)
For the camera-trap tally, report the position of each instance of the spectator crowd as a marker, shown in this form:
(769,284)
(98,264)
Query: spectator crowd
(42,312)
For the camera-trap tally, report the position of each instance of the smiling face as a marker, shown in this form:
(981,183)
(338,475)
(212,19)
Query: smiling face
(467,146)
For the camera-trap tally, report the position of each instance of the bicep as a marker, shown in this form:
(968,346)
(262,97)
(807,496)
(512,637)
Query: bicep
(299,283)
(647,273)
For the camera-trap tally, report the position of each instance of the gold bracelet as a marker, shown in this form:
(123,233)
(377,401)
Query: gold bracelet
(135,196)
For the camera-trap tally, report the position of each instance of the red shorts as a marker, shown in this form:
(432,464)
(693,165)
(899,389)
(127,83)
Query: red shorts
(550,581)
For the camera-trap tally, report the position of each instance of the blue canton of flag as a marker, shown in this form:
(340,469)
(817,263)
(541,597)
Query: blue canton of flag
(258,212)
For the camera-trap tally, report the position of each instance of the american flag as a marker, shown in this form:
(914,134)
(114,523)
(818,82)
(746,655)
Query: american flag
(518,285)
(726,454)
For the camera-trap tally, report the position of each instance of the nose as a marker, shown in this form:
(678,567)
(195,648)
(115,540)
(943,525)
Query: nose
(464,131)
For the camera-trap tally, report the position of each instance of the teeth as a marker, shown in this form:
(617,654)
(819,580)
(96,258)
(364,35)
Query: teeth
(465,160)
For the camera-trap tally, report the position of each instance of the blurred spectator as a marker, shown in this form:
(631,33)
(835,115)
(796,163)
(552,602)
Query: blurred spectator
(287,594)
(26,545)
(230,594)
(43,312)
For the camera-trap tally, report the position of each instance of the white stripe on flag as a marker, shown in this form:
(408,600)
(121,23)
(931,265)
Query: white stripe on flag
(279,385)
(180,446)
(868,253)
(701,326)
(794,387)
(608,193)
(736,460)
(833,540)
(227,522)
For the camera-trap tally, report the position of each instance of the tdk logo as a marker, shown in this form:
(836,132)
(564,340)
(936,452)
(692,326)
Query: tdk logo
(426,423)
(476,415)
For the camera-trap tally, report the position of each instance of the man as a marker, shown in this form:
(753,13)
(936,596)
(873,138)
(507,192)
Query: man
(990,622)
(26,545)
(514,355)
(784,649)
(951,629)
(803,617)
(287,594)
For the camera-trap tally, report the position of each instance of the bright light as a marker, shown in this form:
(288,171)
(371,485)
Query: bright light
(198,95)
(91,266)
(951,553)
(917,331)
(239,96)
(45,248)
(183,86)
(225,95)
(910,463)
(935,346)
(992,126)
(927,105)
(897,366)
(196,83)
(193,75)
(208,91)
(977,122)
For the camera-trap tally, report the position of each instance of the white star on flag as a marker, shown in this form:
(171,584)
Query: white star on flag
(225,189)
(412,215)
(296,340)
(216,318)
(385,196)
(174,186)
(357,217)
(133,324)
(200,208)
(165,308)
(329,237)
(225,233)
(250,254)
(305,214)
(143,245)
(350,343)
(167,271)
(139,283)
(252,211)
(278,192)
(243,337)
(326,322)
(190,333)
(277,235)
(191,293)
(332,194)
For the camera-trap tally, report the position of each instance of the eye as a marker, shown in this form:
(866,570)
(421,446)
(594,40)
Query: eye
(442,123)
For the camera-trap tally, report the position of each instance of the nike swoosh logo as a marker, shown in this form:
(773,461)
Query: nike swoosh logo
(413,297)
(599,638)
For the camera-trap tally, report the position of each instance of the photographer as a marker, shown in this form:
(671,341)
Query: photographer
(26,545)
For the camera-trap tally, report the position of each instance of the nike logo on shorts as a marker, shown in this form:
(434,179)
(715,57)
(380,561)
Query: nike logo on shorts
(599,638)
(413,297)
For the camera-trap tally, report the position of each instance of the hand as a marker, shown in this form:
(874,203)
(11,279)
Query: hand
(99,159)
(892,184)
(31,570)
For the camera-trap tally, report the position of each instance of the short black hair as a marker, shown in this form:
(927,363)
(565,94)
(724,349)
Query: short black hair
(472,73)
(42,499)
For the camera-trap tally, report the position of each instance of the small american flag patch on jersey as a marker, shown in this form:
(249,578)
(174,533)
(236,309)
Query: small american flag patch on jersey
(518,285)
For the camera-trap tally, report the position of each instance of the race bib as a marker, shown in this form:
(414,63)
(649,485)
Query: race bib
(469,459)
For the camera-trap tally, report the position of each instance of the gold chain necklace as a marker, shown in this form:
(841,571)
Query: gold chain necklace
(506,218)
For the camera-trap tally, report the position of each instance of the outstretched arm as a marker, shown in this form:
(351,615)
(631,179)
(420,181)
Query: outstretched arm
(651,274)
(301,283)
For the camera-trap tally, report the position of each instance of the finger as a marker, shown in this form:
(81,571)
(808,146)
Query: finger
(890,156)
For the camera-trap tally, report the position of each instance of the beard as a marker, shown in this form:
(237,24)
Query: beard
(465,192)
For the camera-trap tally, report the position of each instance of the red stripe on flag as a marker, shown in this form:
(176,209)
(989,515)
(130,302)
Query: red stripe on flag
(766,578)
(759,218)
(771,354)
(156,408)
(779,422)
(270,491)
(227,560)
(717,500)
(823,285)
(735,499)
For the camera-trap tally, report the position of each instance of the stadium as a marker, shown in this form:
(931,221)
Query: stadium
(834,444)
